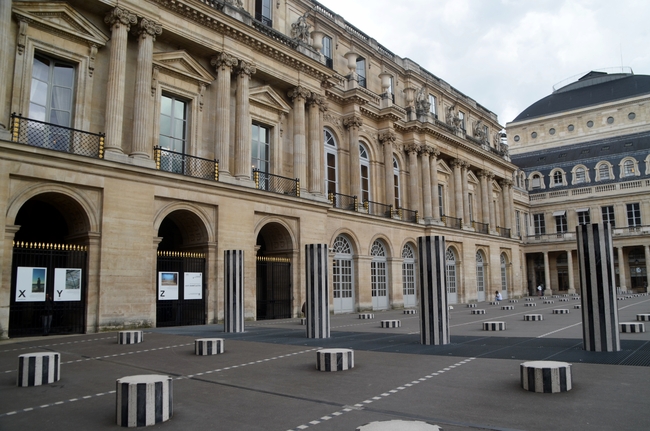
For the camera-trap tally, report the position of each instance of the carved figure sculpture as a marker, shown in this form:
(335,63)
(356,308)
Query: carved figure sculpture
(300,29)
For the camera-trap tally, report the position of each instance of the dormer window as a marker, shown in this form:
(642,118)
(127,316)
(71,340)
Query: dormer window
(537,181)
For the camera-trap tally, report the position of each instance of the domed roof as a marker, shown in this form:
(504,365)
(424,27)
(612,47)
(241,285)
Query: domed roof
(593,88)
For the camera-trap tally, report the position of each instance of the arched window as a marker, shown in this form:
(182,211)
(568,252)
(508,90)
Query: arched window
(628,168)
(536,181)
(558,178)
(342,275)
(331,174)
(396,183)
(480,277)
(452,292)
(378,276)
(603,172)
(365,173)
(579,175)
(408,276)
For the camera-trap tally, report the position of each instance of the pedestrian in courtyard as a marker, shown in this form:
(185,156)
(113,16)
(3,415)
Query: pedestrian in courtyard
(497,296)
(539,289)
(48,310)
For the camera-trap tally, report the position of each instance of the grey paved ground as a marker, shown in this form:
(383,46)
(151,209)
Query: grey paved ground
(267,379)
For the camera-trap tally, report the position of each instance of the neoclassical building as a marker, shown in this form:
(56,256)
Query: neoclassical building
(142,139)
(583,154)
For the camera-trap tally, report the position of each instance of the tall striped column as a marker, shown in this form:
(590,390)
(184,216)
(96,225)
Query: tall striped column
(317,310)
(598,288)
(233,280)
(434,317)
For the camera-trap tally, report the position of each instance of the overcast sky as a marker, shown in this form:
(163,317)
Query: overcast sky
(507,54)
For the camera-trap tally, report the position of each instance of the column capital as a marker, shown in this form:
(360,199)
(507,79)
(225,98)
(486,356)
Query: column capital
(456,163)
(504,182)
(483,174)
(315,99)
(387,137)
(246,68)
(298,92)
(465,165)
(353,122)
(120,16)
(147,27)
(426,150)
(412,149)
(223,61)
(434,152)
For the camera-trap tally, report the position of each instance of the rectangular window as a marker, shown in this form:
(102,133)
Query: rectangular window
(361,71)
(608,215)
(518,223)
(433,105)
(560,224)
(261,151)
(365,183)
(173,133)
(526,224)
(263,12)
(461,117)
(441,200)
(52,91)
(330,182)
(633,215)
(471,207)
(540,226)
(326,50)
(583,217)
(396,186)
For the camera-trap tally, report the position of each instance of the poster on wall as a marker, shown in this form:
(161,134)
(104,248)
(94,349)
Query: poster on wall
(167,286)
(67,284)
(193,285)
(30,284)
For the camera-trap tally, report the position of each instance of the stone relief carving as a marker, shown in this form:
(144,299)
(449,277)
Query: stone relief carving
(91,60)
(235,3)
(246,68)
(222,61)
(479,133)
(301,28)
(387,137)
(422,104)
(412,148)
(120,16)
(504,149)
(154,80)
(298,93)
(146,28)
(335,120)
(353,121)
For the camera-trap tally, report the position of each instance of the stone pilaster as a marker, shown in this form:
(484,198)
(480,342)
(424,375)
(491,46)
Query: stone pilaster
(5,66)
(647,267)
(223,64)
(414,191)
(572,286)
(622,270)
(426,183)
(322,108)
(317,305)
(353,124)
(547,276)
(467,219)
(485,197)
(456,165)
(233,280)
(505,197)
(387,139)
(146,31)
(299,96)
(492,209)
(315,144)
(435,196)
(434,317)
(120,21)
(243,152)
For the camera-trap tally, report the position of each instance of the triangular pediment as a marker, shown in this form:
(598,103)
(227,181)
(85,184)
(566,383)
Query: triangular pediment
(442,167)
(267,97)
(60,19)
(181,63)
(471,177)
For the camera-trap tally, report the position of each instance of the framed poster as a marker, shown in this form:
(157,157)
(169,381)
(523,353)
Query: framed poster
(30,284)
(193,285)
(67,284)
(167,286)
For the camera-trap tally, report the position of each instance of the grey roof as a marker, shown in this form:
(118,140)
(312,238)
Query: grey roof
(592,89)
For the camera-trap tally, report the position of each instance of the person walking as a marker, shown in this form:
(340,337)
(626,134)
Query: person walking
(539,289)
(48,311)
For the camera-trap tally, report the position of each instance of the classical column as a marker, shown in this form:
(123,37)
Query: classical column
(146,31)
(223,64)
(493,215)
(466,216)
(434,313)
(233,280)
(506,186)
(298,96)
(426,183)
(315,149)
(435,196)
(322,109)
(647,268)
(353,124)
(547,276)
(622,271)
(120,21)
(572,287)
(485,198)
(414,191)
(458,187)
(5,64)
(317,310)
(598,288)
(387,139)
(243,121)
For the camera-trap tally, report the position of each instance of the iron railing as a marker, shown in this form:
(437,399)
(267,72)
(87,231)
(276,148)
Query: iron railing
(378,209)
(344,202)
(551,237)
(481,227)
(184,164)
(276,183)
(452,222)
(59,138)
(503,231)
(406,215)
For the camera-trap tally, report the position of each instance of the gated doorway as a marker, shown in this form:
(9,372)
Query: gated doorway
(273,288)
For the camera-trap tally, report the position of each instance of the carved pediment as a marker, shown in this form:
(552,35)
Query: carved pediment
(182,64)
(443,167)
(60,19)
(268,98)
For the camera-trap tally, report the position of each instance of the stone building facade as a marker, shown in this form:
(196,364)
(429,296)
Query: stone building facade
(151,136)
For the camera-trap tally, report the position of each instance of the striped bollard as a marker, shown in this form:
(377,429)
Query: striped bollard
(494,326)
(317,310)
(334,359)
(434,314)
(561,311)
(233,284)
(633,327)
(366,316)
(599,316)
(533,317)
(129,337)
(208,346)
(473,305)
(38,368)
(507,307)
(643,317)
(391,323)
(478,311)
(411,311)
(530,304)
(546,376)
(144,400)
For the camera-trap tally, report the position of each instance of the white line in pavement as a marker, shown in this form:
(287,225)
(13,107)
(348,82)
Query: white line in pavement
(558,330)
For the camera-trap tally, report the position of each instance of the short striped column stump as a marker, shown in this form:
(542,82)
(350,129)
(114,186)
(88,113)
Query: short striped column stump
(530,304)
(391,323)
(643,317)
(546,376)
(564,299)
(577,306)
(494,326)
(411,311)
(129,337)
(494,303)
(561,311)
(576,298)
(549,301)
(38,368)
(620,298)
(478,311)
(513,301)
(398,424)
(303,321)
(543,297)
(472,305)
(533,317)
(208,346)
(144,400)
(631,327)
(565,295)
(556,296)
(334,359)
(507,307)
(366,316)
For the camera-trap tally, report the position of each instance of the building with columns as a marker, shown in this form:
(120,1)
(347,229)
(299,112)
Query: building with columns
(141,140)
(583,154)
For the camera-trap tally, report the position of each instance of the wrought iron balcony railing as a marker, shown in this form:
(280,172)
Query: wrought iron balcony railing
(65,139)
(344,202)
(452,222)
(184,164)
(378,209)
(503,231)
(481,227)
(276,183)
(406,215)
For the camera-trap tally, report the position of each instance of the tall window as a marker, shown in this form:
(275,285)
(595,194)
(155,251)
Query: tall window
(263,12)
(560,223)
(451,272)
(504,273)
(398,203)
(378,276)
(342,280)
(408,272)
(326,50)
(633,215)
(579,175)
(518,223)
(470,200)
(51,92)
(540,226)
(361,71)
(603,172)
(331,183)
(583,217)
(608,215)
(480,276)
(173,132)
(261,147)
(433,105)
(628,168)
(441,199)
(365,173)
(461,117)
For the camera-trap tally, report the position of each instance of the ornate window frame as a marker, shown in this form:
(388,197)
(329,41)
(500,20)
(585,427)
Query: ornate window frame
(635,166)
(574,174)
(600,166)
(553,176)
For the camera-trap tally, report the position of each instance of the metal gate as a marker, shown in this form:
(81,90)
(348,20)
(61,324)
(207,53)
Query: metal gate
(58,270)
(180,299)
(273,288)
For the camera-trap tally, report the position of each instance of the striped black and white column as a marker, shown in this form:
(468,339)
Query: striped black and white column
(144,400)
(598,288)
(434,317)
(233,280)
(317,310)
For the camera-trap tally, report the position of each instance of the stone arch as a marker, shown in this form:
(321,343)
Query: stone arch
(354,240)
(387,244)
(193,223)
